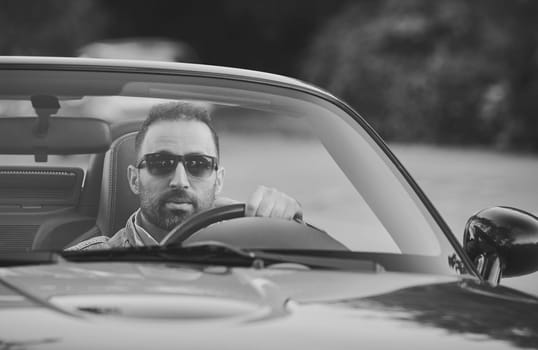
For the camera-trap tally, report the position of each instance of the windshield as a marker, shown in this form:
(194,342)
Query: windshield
(351,196)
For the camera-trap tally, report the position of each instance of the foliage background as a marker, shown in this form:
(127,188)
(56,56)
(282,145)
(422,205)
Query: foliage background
(442,72)
(457,71)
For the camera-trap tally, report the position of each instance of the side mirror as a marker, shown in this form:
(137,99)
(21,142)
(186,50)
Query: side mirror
(502,242)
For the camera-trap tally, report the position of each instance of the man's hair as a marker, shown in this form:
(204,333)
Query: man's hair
(176,111)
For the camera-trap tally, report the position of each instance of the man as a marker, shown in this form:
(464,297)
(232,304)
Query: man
(177,175)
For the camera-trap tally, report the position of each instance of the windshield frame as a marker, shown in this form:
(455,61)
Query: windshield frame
(244,78)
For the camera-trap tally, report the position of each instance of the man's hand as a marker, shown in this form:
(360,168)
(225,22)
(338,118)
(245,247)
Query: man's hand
(268,202)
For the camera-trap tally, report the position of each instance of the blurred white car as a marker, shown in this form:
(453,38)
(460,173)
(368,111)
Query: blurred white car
(144,48)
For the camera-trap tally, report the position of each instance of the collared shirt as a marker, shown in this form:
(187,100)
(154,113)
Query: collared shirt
(132,235)
(141,236)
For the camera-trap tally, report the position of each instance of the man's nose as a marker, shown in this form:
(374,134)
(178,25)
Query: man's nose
(180,178)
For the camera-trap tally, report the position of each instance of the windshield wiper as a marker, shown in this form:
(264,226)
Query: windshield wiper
(202,252)
(218,253)
(21,258)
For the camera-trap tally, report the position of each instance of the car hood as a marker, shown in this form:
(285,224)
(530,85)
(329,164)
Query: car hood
(143,305)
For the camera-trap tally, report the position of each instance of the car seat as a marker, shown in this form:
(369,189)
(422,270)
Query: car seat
(116,203)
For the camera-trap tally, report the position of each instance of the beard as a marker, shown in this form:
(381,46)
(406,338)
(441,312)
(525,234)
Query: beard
(157,209)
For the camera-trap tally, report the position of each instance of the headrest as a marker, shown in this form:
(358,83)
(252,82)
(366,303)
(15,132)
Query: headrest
(117,201)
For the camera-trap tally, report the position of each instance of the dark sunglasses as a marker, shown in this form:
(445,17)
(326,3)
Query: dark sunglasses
(196,165)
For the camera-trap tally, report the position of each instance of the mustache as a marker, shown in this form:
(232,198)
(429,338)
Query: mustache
(177,196)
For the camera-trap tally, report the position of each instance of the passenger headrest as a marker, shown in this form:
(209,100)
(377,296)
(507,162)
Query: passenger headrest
(117,201)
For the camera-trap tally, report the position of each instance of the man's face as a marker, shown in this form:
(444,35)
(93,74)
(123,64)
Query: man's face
(167,200)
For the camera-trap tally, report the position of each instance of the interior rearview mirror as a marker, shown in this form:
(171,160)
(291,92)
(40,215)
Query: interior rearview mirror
(59,135)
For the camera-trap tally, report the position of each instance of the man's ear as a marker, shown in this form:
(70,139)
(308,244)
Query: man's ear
(134,179)
(219,181)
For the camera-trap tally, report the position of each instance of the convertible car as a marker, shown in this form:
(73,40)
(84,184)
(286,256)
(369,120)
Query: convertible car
(371,264)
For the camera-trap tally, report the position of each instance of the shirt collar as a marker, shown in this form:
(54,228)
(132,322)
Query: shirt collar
(141,236)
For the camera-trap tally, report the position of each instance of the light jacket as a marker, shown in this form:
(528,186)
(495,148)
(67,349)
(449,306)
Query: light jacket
(128,236)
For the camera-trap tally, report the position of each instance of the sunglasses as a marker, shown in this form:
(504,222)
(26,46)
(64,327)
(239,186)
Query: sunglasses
(196,165)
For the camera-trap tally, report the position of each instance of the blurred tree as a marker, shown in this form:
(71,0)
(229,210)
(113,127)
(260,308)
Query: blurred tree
(48,27)
(262,34)
(449,71)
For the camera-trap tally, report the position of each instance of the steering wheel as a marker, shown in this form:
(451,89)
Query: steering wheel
(252,232)
(183,231)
